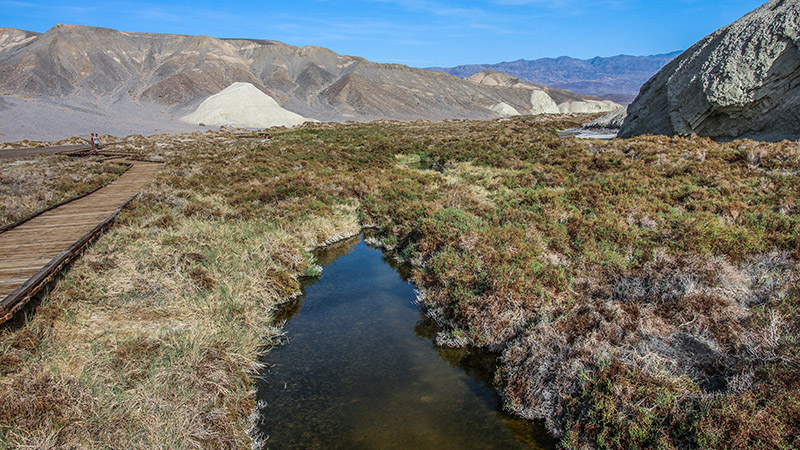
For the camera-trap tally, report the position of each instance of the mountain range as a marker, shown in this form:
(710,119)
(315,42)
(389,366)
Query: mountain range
(616,78)
(76,79)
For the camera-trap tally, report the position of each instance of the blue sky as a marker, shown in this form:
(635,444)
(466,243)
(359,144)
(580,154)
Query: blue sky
(419,33)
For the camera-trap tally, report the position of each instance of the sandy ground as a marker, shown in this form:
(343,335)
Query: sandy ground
(12,153)
(40,119)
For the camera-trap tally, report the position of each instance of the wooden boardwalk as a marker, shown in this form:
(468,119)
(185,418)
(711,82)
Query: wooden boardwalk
(29,152)
(31,252)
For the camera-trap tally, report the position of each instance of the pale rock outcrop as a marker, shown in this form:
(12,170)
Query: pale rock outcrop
(742,81)
(497,79)
(243,105)
(542,103)
(10,37)
(504,109)
(610,121)
(587,106)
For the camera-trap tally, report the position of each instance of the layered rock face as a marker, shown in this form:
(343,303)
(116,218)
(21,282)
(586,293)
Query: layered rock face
(742,81)
(610,121)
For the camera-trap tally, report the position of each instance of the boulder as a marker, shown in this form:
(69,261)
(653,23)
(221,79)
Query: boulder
(742,81)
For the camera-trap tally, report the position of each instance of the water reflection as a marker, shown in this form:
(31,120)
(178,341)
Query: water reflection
(360,370)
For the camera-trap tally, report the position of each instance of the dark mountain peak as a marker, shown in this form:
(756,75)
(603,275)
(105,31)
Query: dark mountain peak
(670,55)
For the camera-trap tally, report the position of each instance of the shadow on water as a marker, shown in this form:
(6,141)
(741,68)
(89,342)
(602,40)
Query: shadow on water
(361,371)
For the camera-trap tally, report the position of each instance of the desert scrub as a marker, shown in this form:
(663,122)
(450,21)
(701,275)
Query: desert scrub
(30,185)
(628,283)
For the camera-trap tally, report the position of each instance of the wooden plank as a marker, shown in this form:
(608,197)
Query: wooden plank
(47,241)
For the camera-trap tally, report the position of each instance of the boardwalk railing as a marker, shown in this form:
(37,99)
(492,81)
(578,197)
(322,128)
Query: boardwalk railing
(32,252)
(20,296)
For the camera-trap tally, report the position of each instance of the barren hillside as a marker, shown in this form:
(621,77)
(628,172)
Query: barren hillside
(76,79)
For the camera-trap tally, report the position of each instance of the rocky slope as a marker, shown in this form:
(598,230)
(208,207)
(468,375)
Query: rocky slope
(10,37)
(77,79)
(617,78)
(742,81)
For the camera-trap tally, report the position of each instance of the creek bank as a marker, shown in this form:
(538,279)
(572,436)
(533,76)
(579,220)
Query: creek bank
(378,379)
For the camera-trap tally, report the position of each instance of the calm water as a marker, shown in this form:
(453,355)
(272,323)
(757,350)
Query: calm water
(360,371)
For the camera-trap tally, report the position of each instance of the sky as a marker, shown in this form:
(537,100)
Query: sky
(419,33)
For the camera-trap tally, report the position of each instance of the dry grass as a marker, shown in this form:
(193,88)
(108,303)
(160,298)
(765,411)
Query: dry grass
(77,140)
(29,185)
(153,337)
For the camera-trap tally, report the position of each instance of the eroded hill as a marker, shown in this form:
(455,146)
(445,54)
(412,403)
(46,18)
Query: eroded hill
(73,76)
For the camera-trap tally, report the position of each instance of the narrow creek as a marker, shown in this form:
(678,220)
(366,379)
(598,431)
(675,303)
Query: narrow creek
(361,371)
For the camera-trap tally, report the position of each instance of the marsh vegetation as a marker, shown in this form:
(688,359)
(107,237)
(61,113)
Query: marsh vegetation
(642,292)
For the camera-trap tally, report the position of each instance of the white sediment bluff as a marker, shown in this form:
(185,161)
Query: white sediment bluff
(587,106)
(541,103)
(505,109)
(543,100)
(243,105)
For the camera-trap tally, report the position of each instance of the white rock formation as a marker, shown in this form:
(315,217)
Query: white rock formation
(612,120)
(587,106)
(497,79)
(243,105)
(742,81)
(542,103)
(504,109)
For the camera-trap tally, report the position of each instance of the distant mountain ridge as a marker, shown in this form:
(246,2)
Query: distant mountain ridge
(617,78)
(544,100)
(75,79)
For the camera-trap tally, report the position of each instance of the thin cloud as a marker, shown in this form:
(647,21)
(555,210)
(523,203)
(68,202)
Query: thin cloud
(155,13)
(437,8)
(12,4)
(347,26)
(493,29)
(563,5)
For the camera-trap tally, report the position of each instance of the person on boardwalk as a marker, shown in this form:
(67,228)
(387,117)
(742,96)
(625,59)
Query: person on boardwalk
(95,143)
